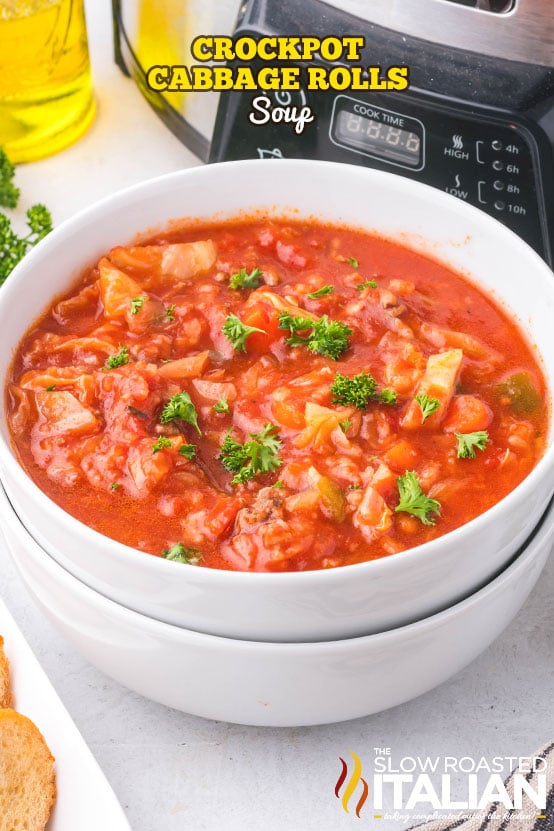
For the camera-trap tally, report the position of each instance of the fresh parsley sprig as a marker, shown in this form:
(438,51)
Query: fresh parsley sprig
(119,359)
(39,221)
(428,405)
(243,280)
(237,332)
(13,247)
(9,194)
(160,443)
(467,442)
(413,501)
(258,455)
(181,554)
(221,406)
(313,295)
(388,396)
(181,407)
(359,390)
(136,304)
(326,337)
(188,451)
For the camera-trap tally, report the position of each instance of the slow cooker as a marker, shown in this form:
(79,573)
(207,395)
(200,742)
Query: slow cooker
(477,119)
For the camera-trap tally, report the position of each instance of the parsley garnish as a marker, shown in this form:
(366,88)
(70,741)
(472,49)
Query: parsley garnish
(188,451)
(327,337)
(160,444)
(368,284)
(12,247)
(9,194)
(181,406)
(51,388)
(313,295)
(428,405)
(180,554)
(388,396)
(243,280)
(467,442)
(359,390)
(353,262)
(236,332)
(170,312)
(345,425)
(114,486)
(259,455)
(136,304)
(278,484)
(413,501)
(119,359)
(221,406)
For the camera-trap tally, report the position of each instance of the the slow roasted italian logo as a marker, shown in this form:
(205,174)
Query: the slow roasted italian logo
(350,784)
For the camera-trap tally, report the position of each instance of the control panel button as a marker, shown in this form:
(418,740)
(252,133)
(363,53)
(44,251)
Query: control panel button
(499,205)
(496,145)
(498,185)
(457,148)
(498,165)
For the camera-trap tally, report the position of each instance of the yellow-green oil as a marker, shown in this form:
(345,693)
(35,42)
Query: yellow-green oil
(46,99)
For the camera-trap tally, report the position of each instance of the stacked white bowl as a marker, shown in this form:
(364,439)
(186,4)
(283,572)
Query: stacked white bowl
(290,648)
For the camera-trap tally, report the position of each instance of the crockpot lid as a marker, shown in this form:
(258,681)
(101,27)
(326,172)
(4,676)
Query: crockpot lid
(517,30)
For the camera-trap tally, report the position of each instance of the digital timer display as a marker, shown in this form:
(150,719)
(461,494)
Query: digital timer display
(383,141)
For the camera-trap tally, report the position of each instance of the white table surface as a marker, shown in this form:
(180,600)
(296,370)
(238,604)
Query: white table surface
(172,771)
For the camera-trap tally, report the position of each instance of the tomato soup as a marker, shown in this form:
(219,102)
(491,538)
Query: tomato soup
(275,396)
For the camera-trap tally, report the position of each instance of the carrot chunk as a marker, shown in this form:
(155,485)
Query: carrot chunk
(466,414)
(190,367)
(402,456)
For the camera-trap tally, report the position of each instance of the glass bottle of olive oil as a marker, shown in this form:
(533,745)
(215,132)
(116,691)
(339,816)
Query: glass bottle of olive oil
(46,100)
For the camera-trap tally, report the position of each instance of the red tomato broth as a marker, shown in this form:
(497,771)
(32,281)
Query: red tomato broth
(314,520)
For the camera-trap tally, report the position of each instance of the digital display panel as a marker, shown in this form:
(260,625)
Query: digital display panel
(378,139)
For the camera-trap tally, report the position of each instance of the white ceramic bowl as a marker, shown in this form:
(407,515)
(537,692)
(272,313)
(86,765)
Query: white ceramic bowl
(273,684)
(343,602)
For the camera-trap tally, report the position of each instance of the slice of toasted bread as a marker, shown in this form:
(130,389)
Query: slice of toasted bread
(27,779)
(6,698)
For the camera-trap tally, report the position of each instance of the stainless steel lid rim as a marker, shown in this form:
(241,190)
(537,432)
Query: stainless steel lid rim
(526,33)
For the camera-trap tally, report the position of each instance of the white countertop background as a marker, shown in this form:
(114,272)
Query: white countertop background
(174,772)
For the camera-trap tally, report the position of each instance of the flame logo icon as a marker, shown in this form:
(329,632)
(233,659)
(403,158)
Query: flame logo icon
(457,142)
(351,784)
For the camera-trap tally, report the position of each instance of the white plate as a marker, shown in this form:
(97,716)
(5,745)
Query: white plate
(85,800)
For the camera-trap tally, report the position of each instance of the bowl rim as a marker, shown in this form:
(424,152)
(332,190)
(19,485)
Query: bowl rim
(542,535)
(379,567)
